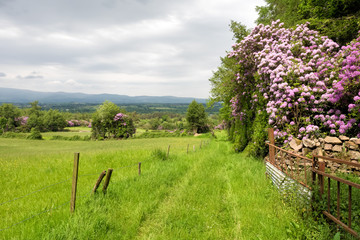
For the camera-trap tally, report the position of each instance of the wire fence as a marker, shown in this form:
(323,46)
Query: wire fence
(35,191)
(42,212)
(62,204)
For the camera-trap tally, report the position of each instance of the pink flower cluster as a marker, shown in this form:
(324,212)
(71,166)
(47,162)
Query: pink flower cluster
(71,123)
(23,120)
(221,126)
(120,117)
(75,123)
(304,82)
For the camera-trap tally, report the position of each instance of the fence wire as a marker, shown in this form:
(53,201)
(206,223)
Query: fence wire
(36,214)
(36,191)
(42,212)
(90,174)
(60,205)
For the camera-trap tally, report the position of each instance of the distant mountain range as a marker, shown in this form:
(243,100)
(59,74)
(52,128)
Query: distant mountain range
(12,95)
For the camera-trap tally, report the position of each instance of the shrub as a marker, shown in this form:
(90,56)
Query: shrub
(109,122)
(35,134)
(14,135)
(296,79)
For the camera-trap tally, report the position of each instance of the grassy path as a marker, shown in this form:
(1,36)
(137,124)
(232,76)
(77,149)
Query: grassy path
(212,193)
(222,196)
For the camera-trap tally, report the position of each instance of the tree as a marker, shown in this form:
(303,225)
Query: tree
(196,118)
(35,117)
(222,81)
(285,10)
(337,19)
(109,121)
(9,117)
(53,120)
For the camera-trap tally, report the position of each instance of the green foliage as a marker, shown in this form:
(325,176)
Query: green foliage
(109,122)
(84,110)
(14,135)
(322,9)
(161,133)
(239,30)
(222,82)
(285,10)
(3,122)
(35,117)
(341,30)
(72,138)
(339,20)
(54,121)
(256,146)
(320,202)
(196,118)
(9,115)
(35,134)
(337,236)
(240,135)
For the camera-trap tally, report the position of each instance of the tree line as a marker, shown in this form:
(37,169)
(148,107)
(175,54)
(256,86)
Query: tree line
(107,121)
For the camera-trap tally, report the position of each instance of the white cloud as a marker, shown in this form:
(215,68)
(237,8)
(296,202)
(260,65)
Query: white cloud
(134,47)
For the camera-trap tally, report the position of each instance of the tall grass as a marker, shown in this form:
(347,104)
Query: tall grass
(211,193)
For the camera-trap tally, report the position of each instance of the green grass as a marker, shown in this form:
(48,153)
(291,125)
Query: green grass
(69,132)
(211,193)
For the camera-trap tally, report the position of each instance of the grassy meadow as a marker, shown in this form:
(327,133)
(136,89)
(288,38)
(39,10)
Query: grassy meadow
(209,193)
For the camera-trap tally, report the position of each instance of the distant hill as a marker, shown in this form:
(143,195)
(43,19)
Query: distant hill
(12,95)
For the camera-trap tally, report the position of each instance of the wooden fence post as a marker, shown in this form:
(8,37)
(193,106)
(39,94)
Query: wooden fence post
(271,148)
(97,184)
(313,167)
(321,177)
(139,168)
(167,156)
(107,180)
(74,182)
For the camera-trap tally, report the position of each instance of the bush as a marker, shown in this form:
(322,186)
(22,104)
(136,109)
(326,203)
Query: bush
(240,136)
(303,81)
(14,135)
(35,134)
(256,146)
(109,122)
(184,133)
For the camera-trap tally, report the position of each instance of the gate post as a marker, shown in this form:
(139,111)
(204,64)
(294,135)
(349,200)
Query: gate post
(271,147)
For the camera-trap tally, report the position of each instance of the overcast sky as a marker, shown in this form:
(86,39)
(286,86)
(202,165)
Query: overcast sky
(129,47)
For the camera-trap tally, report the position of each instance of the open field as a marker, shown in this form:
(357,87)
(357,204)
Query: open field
(211,193)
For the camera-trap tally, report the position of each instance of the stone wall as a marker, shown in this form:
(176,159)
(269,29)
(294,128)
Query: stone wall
(341,147)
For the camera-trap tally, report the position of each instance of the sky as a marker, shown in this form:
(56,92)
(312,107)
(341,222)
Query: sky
(126,47)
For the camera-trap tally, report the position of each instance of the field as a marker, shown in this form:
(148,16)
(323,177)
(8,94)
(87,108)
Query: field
(208,193)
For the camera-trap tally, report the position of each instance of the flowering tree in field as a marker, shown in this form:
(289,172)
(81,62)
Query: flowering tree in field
(109,122)
(302,81)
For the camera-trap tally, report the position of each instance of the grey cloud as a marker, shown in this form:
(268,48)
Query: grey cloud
(31,76)
(2,74)
(94,41)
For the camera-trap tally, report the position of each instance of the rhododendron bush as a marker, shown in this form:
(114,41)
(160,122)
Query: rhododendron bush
(109,122)
(305,83)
